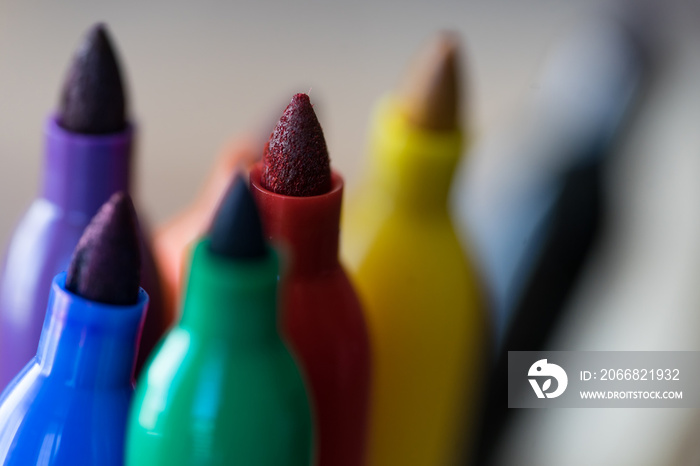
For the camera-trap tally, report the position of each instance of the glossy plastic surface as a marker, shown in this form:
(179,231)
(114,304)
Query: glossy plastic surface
(424,307)
(69,405)
(322,317)
(80,174)
(222,389)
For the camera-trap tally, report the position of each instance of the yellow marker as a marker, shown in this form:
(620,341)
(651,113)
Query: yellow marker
(424,308)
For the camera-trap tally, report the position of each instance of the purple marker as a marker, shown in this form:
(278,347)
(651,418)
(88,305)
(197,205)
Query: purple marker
(87,158)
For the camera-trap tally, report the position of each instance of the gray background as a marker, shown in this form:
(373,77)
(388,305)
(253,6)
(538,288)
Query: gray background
(201,72)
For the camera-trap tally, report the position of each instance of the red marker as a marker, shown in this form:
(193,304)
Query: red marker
(299,200)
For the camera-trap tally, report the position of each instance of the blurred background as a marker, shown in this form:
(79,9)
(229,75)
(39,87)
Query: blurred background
(199,74)
(541,75)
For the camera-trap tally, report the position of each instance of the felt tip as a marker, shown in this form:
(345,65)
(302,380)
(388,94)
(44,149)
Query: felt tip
(295,160)
(106,263)
(92,100)
(430,92)
(236,231)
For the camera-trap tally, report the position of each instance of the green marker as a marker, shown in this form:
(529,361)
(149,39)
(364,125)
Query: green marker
(222,389)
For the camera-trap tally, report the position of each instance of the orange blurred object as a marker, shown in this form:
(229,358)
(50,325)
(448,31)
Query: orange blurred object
(172,239)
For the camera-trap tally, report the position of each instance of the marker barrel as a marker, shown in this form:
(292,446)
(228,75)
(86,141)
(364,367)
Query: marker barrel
(223,389)
(69,405)
(424,306)
(322,316)
(81,172)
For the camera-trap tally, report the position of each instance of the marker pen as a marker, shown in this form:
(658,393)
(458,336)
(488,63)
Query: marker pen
(223,388)
(69,404)
(299,198)
(423,303)
(81,171)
